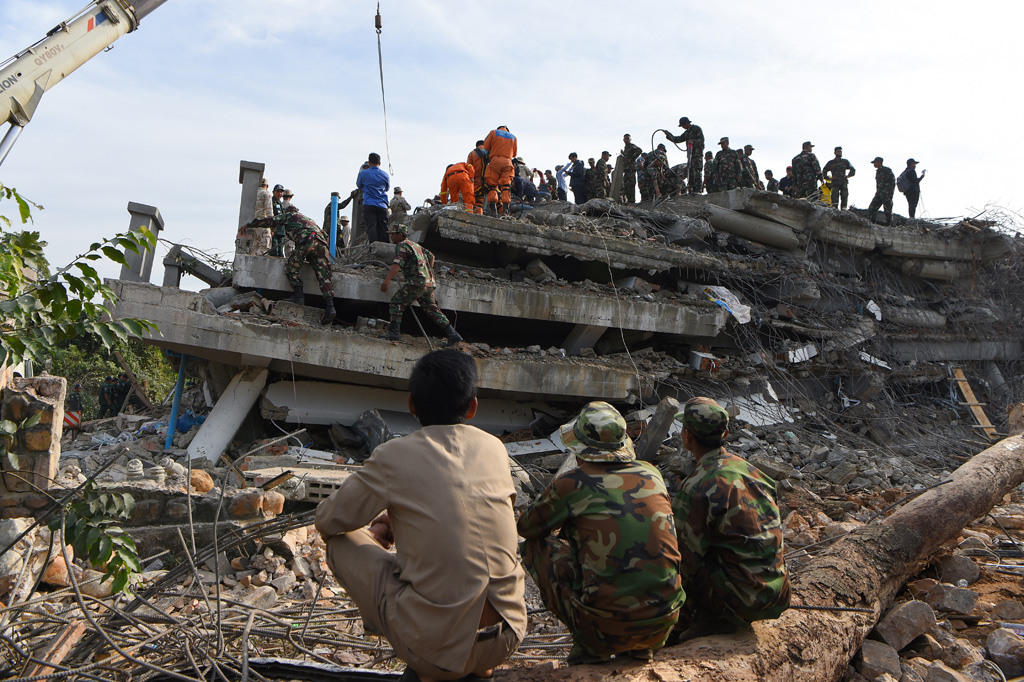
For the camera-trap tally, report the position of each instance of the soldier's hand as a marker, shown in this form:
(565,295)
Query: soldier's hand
(384,286)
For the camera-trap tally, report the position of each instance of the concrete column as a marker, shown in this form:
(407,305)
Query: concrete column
(582,336)
(753,228)
(172,268)
(249,174)
(228,414)
(657,429)
(140,265)
(617,173)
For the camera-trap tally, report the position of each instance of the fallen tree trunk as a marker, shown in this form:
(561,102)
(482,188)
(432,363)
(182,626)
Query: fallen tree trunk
(866,569)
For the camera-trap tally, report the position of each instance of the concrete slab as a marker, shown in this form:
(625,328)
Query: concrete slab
(570,304)
(189,324)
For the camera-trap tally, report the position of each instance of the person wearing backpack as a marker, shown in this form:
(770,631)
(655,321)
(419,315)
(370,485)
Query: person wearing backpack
(910,184)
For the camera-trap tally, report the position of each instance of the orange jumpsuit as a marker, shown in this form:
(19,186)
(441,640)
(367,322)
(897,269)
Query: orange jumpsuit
(502,147)
(477,159)
(458,180)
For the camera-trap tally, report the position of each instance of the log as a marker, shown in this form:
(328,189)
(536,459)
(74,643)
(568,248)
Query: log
(866,569)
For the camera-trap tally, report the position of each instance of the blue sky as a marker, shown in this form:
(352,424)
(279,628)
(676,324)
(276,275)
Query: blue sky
(165,117)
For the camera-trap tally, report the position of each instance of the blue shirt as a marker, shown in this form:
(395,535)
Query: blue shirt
(560,178)
(375,184)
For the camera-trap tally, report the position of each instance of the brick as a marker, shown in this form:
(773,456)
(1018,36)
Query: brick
(146,512)
(37,440)
(246,505)
(273,503)
(202,481)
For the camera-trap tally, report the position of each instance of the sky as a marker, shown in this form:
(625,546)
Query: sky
(165,117)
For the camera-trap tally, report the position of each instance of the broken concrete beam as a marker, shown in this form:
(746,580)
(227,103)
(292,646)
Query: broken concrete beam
(138,266)
(753,228)
(636,284)
(296,312)
(227,415)
(657,429)
(913,317)
(932,269)
(793,213)
(553,304)
(539,272)
(187,324)
(955,349)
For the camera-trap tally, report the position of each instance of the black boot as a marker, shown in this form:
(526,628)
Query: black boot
(329,311)
(394,332)
(452,336)
(297,296)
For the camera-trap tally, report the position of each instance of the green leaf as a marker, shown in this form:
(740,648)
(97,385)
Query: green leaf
(32,420)
(120,582)
(104,333)
(129,507)
(23,209)
(87,270)
(130,558)
(74,309)
(114,255)
(7,427)
(105,549)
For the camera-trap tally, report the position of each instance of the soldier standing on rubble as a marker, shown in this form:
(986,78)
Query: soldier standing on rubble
(730,532)
(806,172)
(840,170)
(310,247)
(600,544)
(399,207)
(727,167)
(773,184)
(417,266)
(694,139)
(749,178)
(599,185)
(629,155)
(786,183)
(885,187)
(643,177)
(709,173)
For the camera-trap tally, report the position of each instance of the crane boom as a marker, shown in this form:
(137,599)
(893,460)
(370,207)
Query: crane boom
(25,77)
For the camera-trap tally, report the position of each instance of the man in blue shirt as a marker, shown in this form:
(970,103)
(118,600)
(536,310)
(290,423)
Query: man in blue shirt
(374,184)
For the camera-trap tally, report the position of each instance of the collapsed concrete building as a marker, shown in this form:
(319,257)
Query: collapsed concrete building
(770,304)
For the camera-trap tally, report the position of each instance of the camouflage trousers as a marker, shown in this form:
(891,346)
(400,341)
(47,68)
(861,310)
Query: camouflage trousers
(883,201)
(629,185)
(695,172)
(553,567)
(409,293)
(803,188)
(315,253)
(712,598)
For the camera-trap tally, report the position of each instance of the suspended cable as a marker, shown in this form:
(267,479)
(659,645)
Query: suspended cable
(380,64)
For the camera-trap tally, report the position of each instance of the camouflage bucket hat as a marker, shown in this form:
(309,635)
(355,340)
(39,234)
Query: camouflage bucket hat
(598,434)
(399,228)
(704,417)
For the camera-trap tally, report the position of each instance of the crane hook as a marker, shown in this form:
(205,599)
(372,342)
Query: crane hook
(377,20)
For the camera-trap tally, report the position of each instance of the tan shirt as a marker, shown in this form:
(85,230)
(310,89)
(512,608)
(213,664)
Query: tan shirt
(448,491)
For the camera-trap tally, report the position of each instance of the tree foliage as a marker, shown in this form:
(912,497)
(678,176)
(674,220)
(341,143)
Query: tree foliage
(39,310)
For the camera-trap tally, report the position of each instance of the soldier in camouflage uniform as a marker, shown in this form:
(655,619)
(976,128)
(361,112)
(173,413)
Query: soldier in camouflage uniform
(694,139)
(611,572)
(709,173)
(885,188)
(599,187)
(839,170)
(629,155)
(806,173)
(417,266)
(727,167)
(310,247)
(749,177)
(643,178)
(730,534)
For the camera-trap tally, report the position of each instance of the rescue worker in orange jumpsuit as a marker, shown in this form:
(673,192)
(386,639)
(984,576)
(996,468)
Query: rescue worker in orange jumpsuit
(458,180)
(478,160)
(502,148)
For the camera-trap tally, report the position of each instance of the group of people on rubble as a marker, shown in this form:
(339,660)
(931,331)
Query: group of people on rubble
(627,567)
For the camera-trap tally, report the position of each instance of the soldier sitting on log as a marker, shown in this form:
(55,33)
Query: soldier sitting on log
(730,534)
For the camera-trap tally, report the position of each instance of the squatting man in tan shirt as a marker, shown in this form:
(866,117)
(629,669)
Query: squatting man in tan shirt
(450,600)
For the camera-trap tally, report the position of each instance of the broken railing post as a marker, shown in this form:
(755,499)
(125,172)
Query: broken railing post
(249,174)
(228,414)
(657,429)
(172,421)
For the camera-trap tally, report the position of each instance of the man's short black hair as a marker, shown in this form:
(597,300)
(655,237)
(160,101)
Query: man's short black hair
(443,384)
(479,142)
(374,158)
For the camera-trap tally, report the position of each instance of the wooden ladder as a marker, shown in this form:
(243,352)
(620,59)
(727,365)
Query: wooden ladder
(971,401)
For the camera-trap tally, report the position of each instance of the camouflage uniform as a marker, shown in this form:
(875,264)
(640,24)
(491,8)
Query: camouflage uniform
(773,186)
(694,139)
(806,171)
(417,266)
(399,210)
(599,190)
(710,185)
(611,572)
(644,180)
(629,158)
(841,171)
(727,169)
(885,187)
(310,247)
(748,175)
(730,534)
